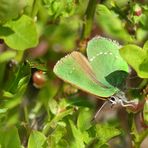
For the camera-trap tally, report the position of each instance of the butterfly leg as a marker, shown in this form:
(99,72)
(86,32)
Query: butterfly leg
(118,100)
(129,104)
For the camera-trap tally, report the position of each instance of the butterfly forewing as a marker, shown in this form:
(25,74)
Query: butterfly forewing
(105,60)
(75,69)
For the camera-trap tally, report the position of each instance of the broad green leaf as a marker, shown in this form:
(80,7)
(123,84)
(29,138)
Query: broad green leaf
(9,138)
(10,9)
(144,67)
(107,20)
(5,31)
(105,132)
(24,34)
(7,55)
(36,140)
(84,118)
(137,58)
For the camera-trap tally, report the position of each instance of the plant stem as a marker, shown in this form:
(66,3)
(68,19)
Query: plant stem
(35,8)
(143,83)
(138,136)
(88,19)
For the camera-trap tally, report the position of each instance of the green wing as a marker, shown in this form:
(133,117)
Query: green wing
(106,62)
(75,69)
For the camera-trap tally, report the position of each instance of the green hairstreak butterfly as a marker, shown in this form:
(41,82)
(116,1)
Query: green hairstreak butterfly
(101,73)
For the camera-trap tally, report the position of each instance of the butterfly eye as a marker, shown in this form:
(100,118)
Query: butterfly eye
(112,99)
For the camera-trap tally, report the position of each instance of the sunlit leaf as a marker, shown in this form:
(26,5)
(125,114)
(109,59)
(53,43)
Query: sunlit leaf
(105,132)
(7,55)
(111,24)
(10,138)
(24,33)
(137,58)
(84,119)
(10,9)
(36,140)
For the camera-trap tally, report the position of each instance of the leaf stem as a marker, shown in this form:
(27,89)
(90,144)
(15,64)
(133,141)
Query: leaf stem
(35,8)
(88,19)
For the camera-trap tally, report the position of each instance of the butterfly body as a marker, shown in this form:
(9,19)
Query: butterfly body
(94,75)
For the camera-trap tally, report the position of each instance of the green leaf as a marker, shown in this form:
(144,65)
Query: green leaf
(24,33)
(7,55)
(36,140)
(77,136)
(107,20)
(10,9)
(5,31)
(55,138)
(84,119)
(105,132)
(137,58)
(58,8)
(19,81)
(145,47)
(7,94)
(10,138)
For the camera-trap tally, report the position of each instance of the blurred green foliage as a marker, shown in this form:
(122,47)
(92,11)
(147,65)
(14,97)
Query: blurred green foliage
(34,35)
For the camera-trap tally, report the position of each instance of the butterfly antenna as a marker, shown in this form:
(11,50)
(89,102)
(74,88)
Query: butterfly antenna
(98,112)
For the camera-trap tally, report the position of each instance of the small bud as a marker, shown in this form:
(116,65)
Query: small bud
(39,79)
(137,10)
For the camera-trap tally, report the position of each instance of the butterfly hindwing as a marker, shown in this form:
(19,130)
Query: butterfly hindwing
(107,64)
(75,69)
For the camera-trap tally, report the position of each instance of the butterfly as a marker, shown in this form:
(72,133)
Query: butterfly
(100,74)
